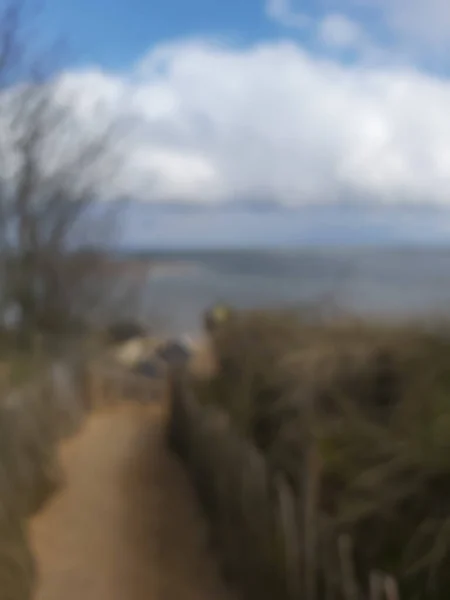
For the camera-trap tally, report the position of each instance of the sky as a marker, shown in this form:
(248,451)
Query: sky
(296,102)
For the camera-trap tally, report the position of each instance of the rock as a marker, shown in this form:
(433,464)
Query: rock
(149,368)
(174,352)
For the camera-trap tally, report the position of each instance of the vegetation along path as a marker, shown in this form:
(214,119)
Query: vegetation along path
(126,526)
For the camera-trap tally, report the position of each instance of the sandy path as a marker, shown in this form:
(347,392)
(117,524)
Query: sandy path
(126,526)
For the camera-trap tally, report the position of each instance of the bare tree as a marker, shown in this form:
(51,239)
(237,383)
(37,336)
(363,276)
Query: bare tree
(52,169)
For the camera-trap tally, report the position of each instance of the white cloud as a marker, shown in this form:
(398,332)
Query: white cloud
(286,14)
(423,22)
(416,26)
(338,31)
(173,174)
(209,123)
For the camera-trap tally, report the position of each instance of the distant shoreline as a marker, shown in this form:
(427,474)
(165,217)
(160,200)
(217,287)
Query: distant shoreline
(171,267)
(156,266)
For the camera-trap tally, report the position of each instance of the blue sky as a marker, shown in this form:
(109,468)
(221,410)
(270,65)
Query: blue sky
(305,226)
(298,102)
(117,34)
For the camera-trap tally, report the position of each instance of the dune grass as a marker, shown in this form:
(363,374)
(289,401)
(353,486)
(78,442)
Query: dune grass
(373,402)
(36,410)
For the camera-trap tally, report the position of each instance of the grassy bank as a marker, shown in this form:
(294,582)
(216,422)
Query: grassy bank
(43,399)
(355,417)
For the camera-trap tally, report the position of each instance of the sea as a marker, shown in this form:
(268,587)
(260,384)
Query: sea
(389,282)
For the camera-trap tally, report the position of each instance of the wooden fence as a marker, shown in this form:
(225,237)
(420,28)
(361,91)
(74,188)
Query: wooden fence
(266,536)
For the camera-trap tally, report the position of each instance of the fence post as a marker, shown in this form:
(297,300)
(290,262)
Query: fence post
(290,534)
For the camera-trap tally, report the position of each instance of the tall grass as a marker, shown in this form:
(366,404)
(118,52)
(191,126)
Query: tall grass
(356,417)
(34,416)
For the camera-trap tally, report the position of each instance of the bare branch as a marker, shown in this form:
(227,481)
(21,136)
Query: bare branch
(52,167)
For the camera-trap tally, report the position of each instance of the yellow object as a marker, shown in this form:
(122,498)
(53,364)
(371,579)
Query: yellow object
(221,314)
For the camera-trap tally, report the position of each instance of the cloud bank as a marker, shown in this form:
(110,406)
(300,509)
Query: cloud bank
(206,122)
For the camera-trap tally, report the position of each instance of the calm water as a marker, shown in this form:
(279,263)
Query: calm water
(394,283)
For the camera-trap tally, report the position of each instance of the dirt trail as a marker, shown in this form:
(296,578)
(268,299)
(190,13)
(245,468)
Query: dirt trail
(126,526)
